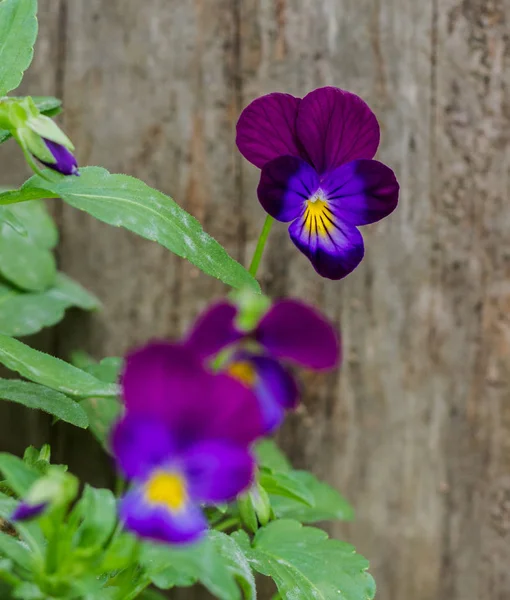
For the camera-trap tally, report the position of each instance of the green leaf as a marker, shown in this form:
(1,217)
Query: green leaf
(19,476)
(102,413)
(24,264)
(14,549)
(98,509)
(23,313)
(40,227)
(8,217)
(168,567)
(48,106)
(33,395)
(18,32)
(15,196)
(28,591)
(269,455)
(127,202)
(235,561)
(108,370)
(50,371)
(327,504)
(71,293)
(305,563)
(286,485)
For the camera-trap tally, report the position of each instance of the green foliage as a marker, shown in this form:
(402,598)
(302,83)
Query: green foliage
(47,105)
(18,32)
(298,494)
(216,562)
(127,202)
(33,395)
(305,563)
(19,476)
(24,264)
(36,296)
(27,313)
(326,503)
(50,371)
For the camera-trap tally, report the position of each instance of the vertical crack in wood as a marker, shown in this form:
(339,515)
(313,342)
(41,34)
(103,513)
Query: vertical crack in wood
(237,86)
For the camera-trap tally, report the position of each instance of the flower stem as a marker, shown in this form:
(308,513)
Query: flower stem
(259,250)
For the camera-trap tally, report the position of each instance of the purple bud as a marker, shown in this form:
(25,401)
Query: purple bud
(65,162)
(25,512)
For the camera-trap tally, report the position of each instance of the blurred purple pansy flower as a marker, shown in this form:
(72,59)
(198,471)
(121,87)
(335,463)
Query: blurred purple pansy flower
(315,154)
(290,330)
(184,441)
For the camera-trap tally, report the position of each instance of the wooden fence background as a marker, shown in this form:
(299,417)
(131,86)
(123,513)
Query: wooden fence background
(415,430)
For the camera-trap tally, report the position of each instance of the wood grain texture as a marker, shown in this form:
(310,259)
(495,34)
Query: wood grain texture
(415,429)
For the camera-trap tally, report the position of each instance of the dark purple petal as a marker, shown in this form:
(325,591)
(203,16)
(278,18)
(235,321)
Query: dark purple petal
(286,183)
(335,127)
(140,445)
(158,522)
(163,380)
(168,382)
(266,129)
(65,162)
(213,330)
(275,387)
(334,248)
(25,512)
(293,330)
(231,413)
(361,192)
(217,471)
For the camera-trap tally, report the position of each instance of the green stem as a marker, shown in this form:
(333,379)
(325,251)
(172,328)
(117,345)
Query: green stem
(259,250)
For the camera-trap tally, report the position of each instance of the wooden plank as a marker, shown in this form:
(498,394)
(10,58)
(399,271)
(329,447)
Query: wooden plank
(375,432)
(472,342)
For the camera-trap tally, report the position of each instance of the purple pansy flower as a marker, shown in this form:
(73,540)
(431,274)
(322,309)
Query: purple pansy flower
(315,154)
(25,511)
(184,441)
(64,160)
(290,330)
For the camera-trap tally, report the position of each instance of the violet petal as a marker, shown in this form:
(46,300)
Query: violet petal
(213,330)
(336,127)
(266,128)
(217,471)
(362,191)
(294,330)
(285,185)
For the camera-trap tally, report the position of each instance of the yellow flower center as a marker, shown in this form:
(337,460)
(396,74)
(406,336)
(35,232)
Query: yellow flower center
(168,489)
(243,371)
(318,218)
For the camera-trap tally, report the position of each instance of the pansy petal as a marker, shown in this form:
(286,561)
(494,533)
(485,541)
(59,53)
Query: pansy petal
(213,330)
(334,252)
(336,127)
(217,471)
(25,511)
(162,380)
(294,330)
(285,185)
(140,444)
(362,191)
(158,522)
(276,390)
(231,413)
(266,128)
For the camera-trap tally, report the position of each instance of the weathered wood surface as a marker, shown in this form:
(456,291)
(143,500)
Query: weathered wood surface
(416,427)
